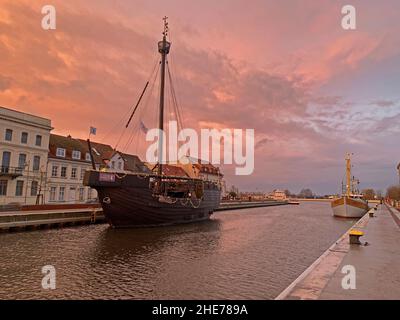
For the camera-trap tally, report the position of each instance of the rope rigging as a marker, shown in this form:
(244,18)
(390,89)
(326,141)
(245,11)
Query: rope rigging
(135,130)
(136,106)
(132,129)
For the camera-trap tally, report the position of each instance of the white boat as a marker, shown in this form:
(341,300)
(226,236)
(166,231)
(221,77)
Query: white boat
(351,204)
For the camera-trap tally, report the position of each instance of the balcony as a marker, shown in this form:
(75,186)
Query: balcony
(11,172)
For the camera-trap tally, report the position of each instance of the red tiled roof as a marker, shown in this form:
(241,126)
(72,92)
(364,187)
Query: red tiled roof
(170,170)
(70,144)
(133,163)
(207,168)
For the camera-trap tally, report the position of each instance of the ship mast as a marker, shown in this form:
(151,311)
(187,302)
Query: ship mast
(163,48)
(348,175)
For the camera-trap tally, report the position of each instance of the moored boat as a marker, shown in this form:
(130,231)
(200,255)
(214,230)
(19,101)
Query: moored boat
(155,198)
(351,204)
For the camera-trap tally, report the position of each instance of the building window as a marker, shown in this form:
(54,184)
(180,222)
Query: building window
(89,194)
(38,141)
(53,193)
(24,137)
(63,172)
(19,188)
(21,161)
(82,173)
(73,173)
(34,188)
(76,155)
(119,166)
(3,187)
(81,194)
(36,163)
(54,171)
(60,152)
(5,162)
(88,157)
(61,194)
(72,194)
(112,164)
(8,136)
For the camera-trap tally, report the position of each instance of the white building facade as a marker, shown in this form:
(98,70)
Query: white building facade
(24,141)
(68,161)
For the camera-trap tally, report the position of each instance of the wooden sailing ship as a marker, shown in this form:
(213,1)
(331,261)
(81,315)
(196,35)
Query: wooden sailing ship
(154,199)
(351,204)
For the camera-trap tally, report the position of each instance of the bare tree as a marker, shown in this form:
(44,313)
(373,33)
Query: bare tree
(369,194)
(306,193)
(393,192)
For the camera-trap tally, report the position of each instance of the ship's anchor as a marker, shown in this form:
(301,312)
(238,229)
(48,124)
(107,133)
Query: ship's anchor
(107,200)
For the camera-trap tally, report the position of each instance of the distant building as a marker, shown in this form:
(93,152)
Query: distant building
(24,141)
(252,196)
(168,170)
(278,195)
(196,168)
(122,162)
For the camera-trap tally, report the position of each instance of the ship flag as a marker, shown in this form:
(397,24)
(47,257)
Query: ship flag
(143,127)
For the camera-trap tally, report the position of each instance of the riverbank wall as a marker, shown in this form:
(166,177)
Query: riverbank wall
(58,216)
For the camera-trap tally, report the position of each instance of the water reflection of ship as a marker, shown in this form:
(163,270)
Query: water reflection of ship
(124,244)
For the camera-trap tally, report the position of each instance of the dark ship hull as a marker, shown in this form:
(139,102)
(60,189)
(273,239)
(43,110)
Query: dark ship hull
(130,200)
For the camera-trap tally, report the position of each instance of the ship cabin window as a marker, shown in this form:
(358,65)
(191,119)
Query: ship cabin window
(76,155)
(60,152)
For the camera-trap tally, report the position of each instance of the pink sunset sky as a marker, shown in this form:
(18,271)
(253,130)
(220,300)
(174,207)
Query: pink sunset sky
(311,90)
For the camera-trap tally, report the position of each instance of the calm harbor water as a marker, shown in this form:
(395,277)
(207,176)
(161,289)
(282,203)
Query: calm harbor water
(244,254)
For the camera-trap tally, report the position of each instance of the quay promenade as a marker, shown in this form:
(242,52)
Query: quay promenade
(374,262)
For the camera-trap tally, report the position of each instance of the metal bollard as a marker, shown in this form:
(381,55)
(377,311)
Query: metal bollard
(355,235)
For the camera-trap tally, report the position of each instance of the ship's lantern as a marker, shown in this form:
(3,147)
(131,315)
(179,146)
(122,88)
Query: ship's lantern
(163,47)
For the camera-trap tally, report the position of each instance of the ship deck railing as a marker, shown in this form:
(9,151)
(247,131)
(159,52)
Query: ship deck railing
(153,175)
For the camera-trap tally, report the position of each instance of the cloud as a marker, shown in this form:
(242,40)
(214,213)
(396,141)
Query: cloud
(5,83)
(91,70)
(261,143)
(383,103)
